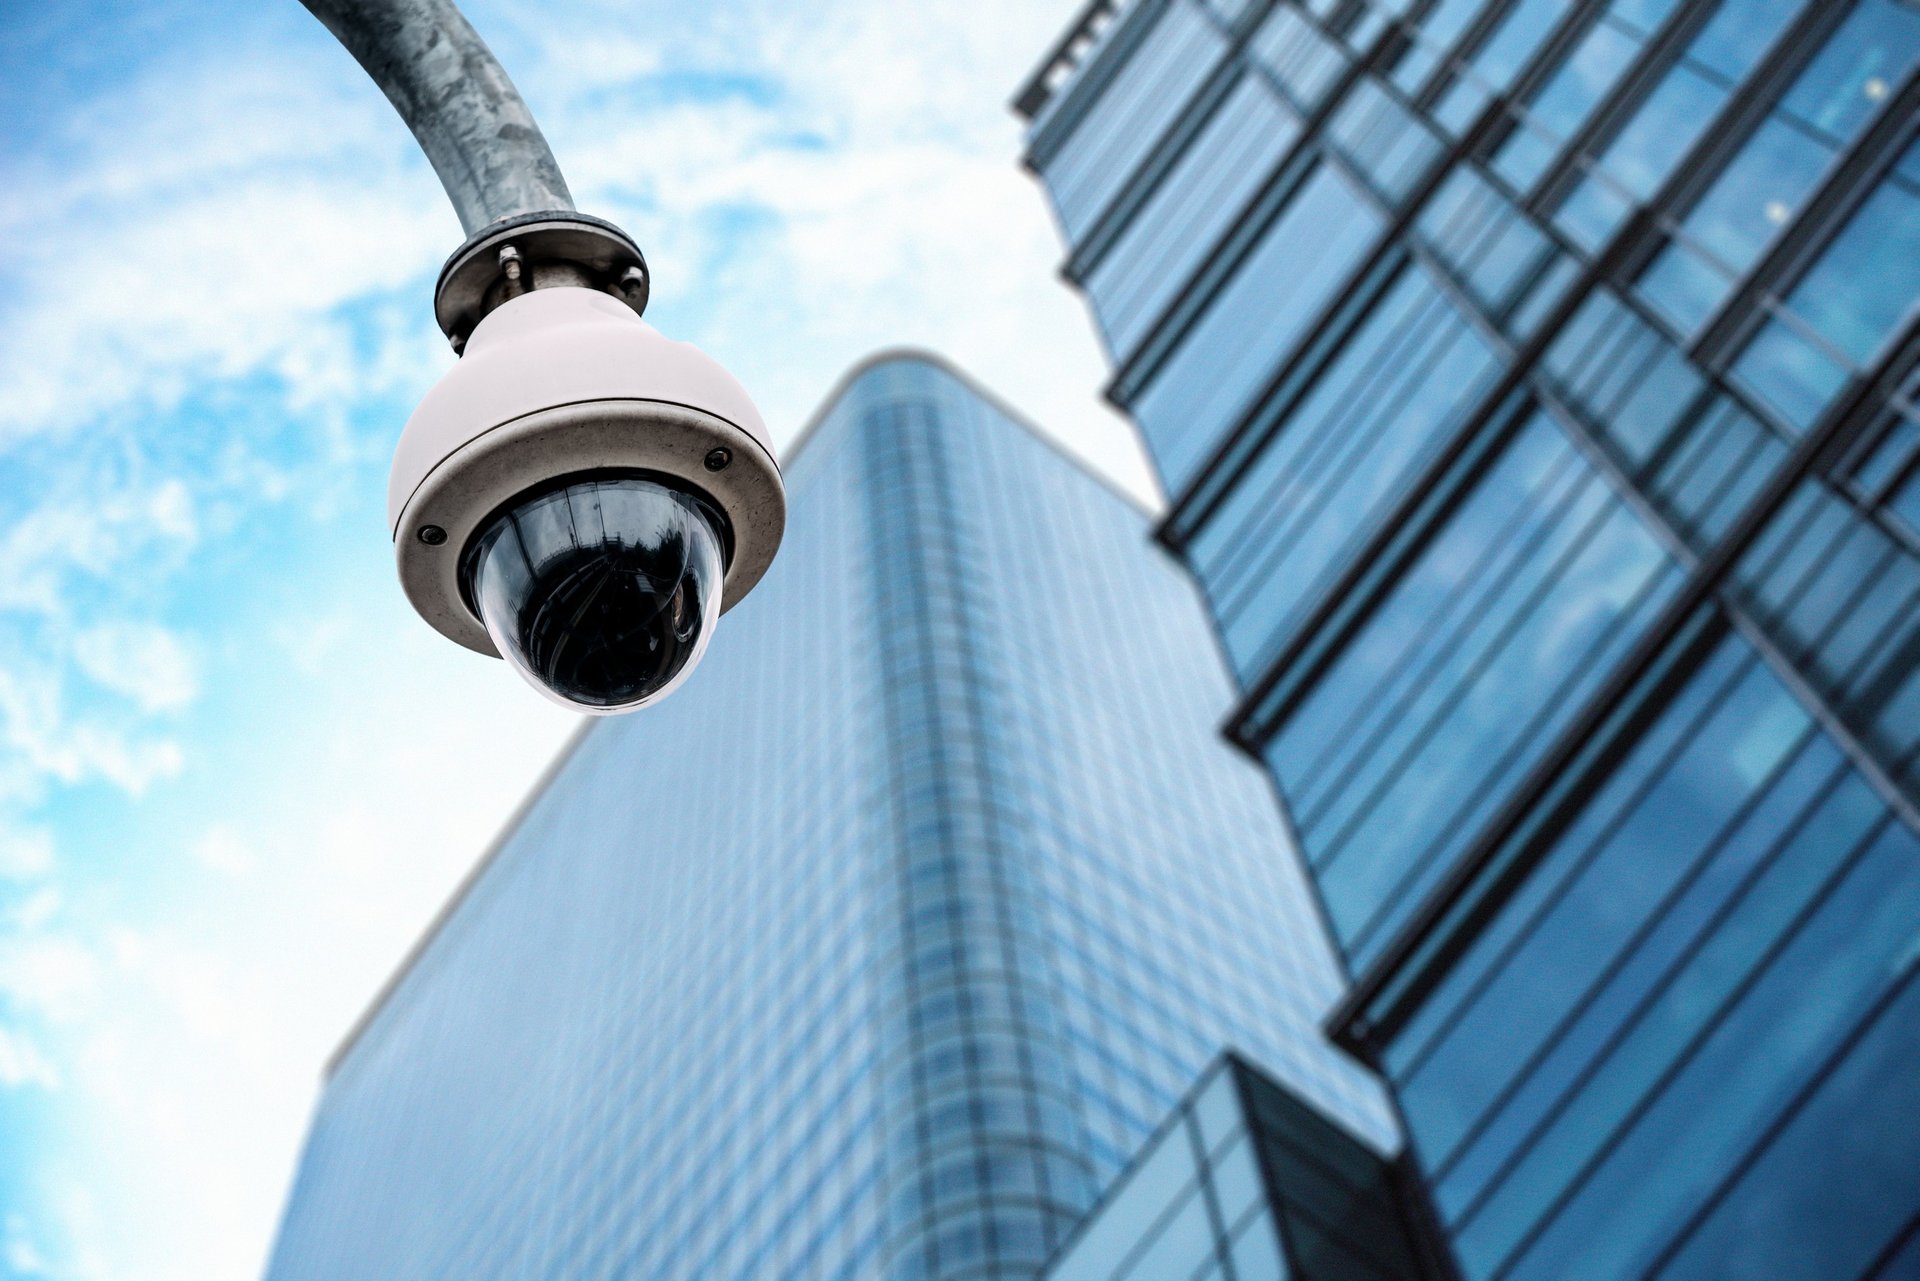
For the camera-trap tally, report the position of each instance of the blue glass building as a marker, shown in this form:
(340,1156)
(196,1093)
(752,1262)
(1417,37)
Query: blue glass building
(879,949)
(1246,1181)
(1534,383)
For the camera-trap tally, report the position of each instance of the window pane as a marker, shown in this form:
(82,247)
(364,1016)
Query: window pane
(1406,379)
(1147,94)
(1200,198)
(1748,1067)
(1839,1182)
(1250,327)
(1472,667)
(1867,280)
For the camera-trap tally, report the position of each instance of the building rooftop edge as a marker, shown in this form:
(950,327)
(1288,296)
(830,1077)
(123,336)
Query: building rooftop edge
(910,354)
(1039,87)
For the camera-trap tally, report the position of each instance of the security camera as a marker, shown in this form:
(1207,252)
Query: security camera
(579,494)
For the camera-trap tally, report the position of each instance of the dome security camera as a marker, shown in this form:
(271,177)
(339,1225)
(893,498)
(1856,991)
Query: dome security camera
(579,495)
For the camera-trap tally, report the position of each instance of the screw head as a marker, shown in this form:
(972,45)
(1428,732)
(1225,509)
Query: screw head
(718,458)
(432,535)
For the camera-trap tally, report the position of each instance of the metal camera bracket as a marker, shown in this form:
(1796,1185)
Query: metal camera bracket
(513,256)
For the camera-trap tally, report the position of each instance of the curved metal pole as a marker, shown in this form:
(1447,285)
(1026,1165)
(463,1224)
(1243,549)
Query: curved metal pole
(453,93)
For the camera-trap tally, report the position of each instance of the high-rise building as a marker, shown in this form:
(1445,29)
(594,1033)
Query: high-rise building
(878,950)
(1533,383)
(1245,1181)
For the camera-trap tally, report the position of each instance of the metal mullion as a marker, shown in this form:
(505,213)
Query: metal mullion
(1249,721)
(1203,1163)
(1662,51)
(1894,526)
(1617,964)
(1807,1088)
(1588,751)
(1688,1050)
(1759,92)
(1481,597)
(1901,1239)
(1343,17)
(1456,60)
(1139,187)
(1817,700)
(1819,706)
(1881,494)
(1367,376)
(1372,573)
(1872,650)
(1474,225)
(1269,1178)
(1792,593)
(1136,22)
(1412,340)
(1873,501)
(1672,451)
(1540,65)
(1394,239)
(1630,488)
(1547,60)
(1035,93)
(1860,452)
(1493,560)
(1158,343)
(1648,590)
(1750,456)
(1676,663)
(1844,189)
(1236,244)
(1347,312)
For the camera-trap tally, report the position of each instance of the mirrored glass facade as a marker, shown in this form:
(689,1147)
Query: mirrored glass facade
(880,948)
(1534,384)
(1245,1182)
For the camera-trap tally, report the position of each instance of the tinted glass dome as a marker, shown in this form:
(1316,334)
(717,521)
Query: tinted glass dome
(602,592)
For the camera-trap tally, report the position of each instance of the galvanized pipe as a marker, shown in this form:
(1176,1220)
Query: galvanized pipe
(453,93)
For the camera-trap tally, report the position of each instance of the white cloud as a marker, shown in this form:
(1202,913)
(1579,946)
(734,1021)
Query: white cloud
(146,662)
(24,1064)
(35,910)
(91,537)
(221,849)
(52,976)
(26,853)
(49,746)
(93,530)
(243,198)
(19,1250)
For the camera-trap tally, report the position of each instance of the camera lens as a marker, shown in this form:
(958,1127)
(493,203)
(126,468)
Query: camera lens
(602,592)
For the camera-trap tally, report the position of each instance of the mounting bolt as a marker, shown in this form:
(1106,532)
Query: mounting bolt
(718,458)
(510,261)
(632,287)
(432,535)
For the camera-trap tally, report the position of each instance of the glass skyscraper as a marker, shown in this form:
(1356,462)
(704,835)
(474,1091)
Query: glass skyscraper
(1534,384)
(879,949)
(1245,1181)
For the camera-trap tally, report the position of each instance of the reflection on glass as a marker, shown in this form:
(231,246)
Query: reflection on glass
(1764,186)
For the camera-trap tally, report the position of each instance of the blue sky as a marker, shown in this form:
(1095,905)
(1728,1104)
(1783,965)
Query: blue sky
(236,775)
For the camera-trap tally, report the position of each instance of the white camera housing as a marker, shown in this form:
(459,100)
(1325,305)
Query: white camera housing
(569,382)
